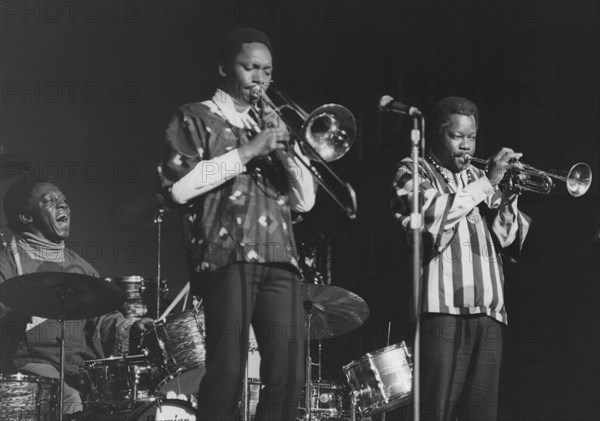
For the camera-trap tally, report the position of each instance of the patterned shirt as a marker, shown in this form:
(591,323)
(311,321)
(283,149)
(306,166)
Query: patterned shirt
(235,213)
(465,227)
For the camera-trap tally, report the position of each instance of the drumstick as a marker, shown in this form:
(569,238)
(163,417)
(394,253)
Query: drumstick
(183,291)
(185,300)
(389,330)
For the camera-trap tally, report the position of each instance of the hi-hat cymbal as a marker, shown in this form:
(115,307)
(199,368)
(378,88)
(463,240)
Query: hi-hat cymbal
(55,295)
(334,310)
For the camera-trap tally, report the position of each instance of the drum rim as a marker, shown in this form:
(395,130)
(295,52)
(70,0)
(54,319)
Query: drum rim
(375,353)
(29,378)
(137,277)
(119,360)
(178,373)
(387,406)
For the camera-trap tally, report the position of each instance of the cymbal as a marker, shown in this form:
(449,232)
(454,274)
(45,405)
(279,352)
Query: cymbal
(334,310)
(41,294)
(140,213)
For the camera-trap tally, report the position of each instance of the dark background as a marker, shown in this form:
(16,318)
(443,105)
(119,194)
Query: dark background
(87,90)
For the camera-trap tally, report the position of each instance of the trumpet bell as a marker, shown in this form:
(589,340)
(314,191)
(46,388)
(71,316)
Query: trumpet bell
(579,179)
(330,130)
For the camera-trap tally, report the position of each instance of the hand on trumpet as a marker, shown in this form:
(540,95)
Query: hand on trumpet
(500,163)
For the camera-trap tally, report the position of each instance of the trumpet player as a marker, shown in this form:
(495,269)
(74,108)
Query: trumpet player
(230,169)
(469,222)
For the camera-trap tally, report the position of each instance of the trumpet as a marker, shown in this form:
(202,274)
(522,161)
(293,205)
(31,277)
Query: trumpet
(528,178)
(324,135)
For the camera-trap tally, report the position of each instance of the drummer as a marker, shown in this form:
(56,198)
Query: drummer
(39,216)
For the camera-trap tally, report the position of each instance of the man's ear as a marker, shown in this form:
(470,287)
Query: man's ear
(25,219)
(222,71)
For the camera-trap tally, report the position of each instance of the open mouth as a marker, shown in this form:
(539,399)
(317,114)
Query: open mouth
(62,218)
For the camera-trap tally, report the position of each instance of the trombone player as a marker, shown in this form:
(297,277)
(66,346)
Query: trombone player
(230,170)
(469,221)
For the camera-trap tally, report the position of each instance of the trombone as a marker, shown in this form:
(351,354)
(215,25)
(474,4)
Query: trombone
(325,135)
(527,178)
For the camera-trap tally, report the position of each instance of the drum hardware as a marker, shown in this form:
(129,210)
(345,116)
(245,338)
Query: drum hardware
(120,379)
(158,221)
(61,296)
(525,177)
(325,135)
(328,401)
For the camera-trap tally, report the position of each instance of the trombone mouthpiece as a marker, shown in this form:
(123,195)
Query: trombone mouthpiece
(256,92)
(468,157)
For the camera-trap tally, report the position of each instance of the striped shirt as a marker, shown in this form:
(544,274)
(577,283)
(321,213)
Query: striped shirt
(465,227)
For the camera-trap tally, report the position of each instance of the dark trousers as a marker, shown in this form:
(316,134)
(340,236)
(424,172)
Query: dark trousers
(270,297)
(460,367)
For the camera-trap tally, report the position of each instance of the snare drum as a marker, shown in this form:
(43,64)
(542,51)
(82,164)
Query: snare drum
(382,380)
(164,410)
(119,379)
(28,398)
(327,400)
(176,346)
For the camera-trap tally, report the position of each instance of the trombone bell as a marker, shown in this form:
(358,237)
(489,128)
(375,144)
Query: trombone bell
(330,130)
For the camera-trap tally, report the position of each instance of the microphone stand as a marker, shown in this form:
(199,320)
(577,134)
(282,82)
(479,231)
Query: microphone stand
(416,225)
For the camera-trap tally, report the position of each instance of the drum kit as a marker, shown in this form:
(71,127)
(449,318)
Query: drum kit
(160,383)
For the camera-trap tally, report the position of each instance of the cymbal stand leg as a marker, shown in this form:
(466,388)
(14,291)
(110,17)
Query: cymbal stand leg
(158,222)
(308,388)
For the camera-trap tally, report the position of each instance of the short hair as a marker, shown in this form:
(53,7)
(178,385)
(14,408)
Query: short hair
(17,201)
(439,114)
(232,43)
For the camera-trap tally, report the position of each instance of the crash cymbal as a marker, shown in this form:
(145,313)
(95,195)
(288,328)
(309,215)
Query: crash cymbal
(56,295)
(334,310)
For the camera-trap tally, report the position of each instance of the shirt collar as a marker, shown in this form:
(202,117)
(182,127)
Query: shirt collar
(223,105)
(41,249)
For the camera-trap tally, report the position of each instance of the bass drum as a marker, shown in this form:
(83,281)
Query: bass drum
(165,410)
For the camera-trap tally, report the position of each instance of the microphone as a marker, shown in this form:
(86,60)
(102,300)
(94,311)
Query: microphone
(389,104)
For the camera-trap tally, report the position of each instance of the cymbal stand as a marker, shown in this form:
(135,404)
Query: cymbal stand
(319,363)
(158,221)
(308,364)
(62,358)
(245,400)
